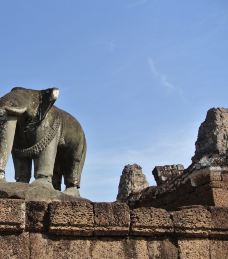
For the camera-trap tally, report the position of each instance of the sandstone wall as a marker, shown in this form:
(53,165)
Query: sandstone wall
(82,229)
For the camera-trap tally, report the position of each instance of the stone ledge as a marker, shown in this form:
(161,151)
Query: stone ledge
(150,222)
(36,216)
(15,246)
(12,215)
(71,218)
(83,218)
(206,175)
(192,221)
(111,219)
(219,218)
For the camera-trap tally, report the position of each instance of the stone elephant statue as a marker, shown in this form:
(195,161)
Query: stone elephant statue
(33,129)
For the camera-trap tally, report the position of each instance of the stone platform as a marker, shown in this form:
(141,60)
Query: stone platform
(34,192)
(82,229)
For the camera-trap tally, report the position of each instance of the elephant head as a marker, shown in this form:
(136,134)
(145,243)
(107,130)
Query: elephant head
(32,105)
(21,100)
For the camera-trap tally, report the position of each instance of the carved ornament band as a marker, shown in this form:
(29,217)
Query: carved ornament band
(41,145)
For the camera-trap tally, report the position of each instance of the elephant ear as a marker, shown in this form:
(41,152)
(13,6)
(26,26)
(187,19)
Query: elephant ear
(47,100)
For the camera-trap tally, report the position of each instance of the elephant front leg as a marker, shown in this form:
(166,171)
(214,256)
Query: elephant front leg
(7,132)
(23,168)
(44,163)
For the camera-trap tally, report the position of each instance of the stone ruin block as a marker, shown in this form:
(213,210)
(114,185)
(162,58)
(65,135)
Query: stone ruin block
(71,218)
(36,216)
(167,173)
(150,221)
(132,180)
(212,141)
(192,220)
(111,219)
(12,215)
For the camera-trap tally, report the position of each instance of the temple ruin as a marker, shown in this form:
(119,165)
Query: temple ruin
(184,216)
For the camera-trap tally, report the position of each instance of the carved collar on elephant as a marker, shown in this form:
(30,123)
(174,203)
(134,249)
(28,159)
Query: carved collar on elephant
(40,145)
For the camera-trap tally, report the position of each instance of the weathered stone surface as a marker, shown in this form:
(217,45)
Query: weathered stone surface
(220,197)
(212,141)
(206,186)
(225,176)
(31,192)
(197,249)
(14,246)
(219,249)
(160,249)
(150,221)
(219,217)
(12,215)
(107,248)
(36,216)
(192,221)
(190,232)
(132,180)
(167,173)
(137,248)
(206,175)
(13,190)
(44,247)
(71,218)
(120,248)
(45,193)
(111,219)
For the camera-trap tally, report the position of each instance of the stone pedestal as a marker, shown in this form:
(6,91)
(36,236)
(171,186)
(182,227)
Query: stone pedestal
(87,230)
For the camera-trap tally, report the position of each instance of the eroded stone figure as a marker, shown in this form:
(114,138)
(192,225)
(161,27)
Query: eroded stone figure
(132,181)
(32,128)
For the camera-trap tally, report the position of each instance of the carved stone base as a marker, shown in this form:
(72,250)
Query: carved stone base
(35,192)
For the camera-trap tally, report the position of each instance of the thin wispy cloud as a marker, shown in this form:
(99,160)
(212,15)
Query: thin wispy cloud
(167,83)
(163,79)
(152,67)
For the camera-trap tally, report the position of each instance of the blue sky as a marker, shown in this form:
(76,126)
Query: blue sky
(138,74)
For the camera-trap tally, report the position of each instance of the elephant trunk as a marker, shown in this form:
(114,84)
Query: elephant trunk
(7,132)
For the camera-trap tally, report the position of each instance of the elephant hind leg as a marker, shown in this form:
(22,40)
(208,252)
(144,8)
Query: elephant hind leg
(80,166)
(57,179)
(72,176)
(23,169)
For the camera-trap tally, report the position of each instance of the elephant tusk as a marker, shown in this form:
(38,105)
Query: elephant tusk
(14,110)
(55,93)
